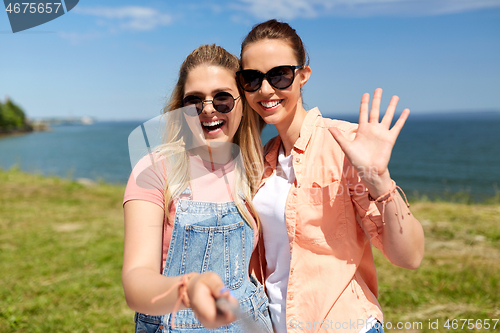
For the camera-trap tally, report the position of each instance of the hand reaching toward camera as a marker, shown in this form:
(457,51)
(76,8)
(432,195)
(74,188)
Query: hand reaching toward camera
(203,291)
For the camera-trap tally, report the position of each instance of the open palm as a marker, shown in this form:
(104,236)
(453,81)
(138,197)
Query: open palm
(370,151)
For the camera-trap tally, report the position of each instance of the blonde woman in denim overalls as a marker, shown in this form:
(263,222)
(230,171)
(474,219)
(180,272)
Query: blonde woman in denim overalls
(190,227)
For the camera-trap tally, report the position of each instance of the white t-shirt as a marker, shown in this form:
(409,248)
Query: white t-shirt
(270,203)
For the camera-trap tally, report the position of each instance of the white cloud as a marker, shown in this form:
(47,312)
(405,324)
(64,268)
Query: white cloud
(291,9)
(135,18)
(77,38)
(285,9)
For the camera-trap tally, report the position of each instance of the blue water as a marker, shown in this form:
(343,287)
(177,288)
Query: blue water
(434,154)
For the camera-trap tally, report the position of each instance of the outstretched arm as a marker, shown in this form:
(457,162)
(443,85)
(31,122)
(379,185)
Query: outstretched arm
(141,277)
(369,153)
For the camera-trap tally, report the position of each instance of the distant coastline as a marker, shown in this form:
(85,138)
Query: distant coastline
(45,125)
(13,120)
(28,127)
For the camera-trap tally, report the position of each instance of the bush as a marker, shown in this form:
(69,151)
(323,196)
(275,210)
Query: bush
(12,117)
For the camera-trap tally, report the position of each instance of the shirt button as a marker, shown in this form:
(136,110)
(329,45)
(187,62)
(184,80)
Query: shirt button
(291,271)
(290,297)
(297,159)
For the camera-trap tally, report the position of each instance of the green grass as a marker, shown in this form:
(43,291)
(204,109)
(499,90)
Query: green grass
(459,277)
(61,246)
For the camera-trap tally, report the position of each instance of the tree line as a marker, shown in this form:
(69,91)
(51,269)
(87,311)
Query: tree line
(12,118)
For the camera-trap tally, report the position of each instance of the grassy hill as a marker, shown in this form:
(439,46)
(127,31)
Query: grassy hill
(61,246)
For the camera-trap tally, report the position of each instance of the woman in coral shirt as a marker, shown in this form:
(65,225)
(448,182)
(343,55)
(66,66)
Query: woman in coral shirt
(326,195)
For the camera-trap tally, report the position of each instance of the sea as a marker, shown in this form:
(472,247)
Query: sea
(437,155)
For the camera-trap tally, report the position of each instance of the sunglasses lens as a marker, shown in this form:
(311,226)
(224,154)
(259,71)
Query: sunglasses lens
(223,102)
(194,101)
(250,80)
(281,77)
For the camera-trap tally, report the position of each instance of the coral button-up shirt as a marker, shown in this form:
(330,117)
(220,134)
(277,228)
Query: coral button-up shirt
(331,226)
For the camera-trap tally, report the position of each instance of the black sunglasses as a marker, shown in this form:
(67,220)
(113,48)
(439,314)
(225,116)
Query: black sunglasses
(222,102)
(280,77)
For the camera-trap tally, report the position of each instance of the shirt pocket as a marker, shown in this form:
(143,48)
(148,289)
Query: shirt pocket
(221,249)
(318,195)
(321,212)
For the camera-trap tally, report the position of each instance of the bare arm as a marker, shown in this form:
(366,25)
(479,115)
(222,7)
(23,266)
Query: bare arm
(141,277)
(403,236)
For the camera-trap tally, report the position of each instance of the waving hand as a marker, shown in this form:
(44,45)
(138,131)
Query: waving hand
(371,149)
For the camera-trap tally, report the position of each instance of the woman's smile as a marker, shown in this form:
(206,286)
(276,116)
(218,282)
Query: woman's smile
(270,104)
(212,127)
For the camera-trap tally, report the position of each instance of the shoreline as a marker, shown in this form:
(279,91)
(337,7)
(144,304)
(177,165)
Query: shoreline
(14,133)
(32,128)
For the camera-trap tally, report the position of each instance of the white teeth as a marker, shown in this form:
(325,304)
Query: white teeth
(270,104)
(213,123)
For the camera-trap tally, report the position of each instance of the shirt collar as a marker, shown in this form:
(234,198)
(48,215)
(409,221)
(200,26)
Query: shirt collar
(307,129)
(272,154)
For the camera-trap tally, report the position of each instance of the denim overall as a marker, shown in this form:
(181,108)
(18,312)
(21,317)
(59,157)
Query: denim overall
(213,237)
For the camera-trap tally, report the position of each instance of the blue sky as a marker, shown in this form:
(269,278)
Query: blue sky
(119,59)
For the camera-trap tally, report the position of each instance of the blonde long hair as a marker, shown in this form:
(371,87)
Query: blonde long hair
(249,165)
